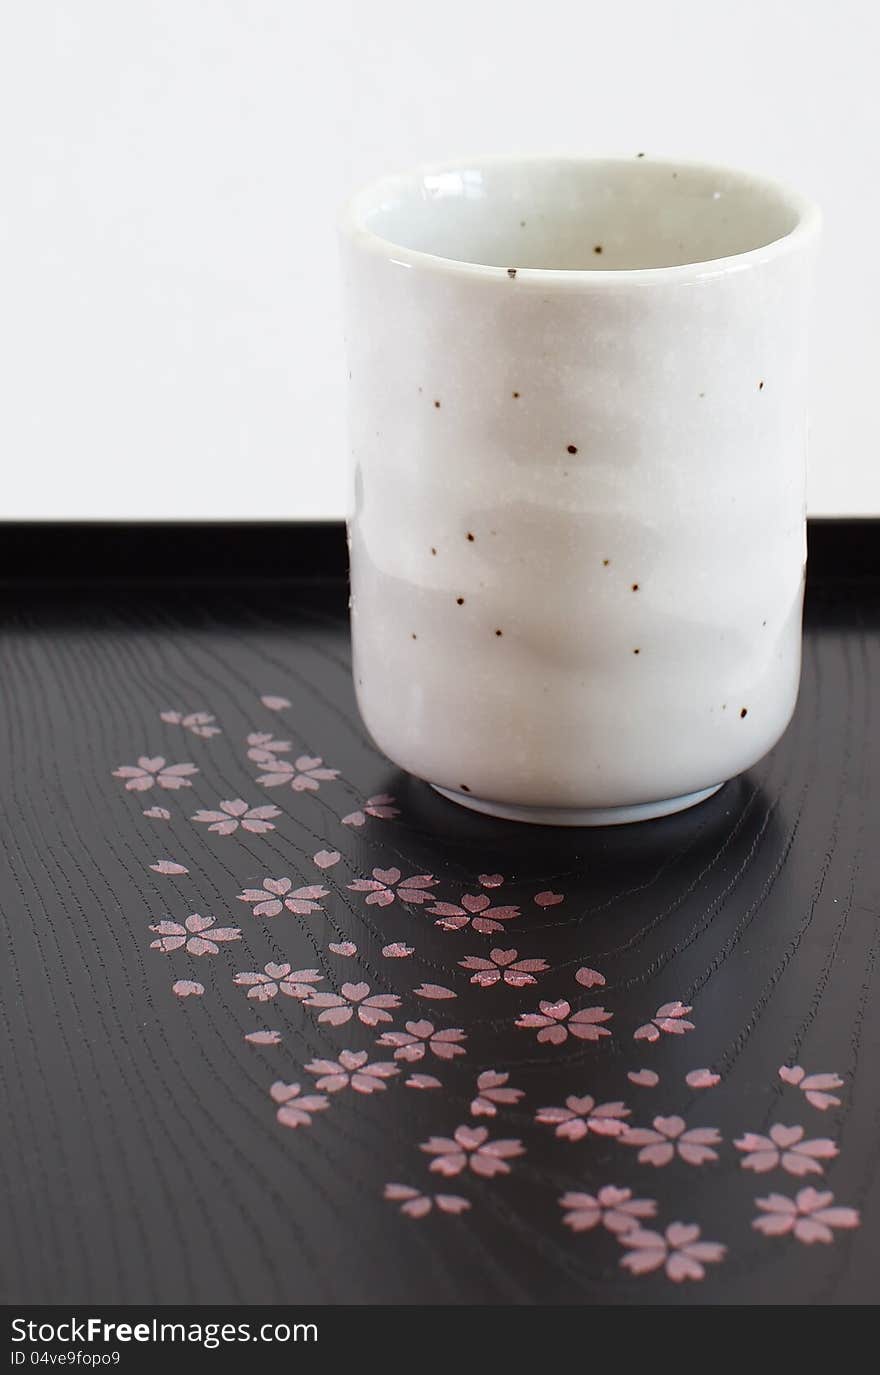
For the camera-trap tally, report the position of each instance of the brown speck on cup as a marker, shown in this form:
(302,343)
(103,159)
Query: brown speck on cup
(470,536)
(635,587)
(459,601)
(597,248)
(744,712)
(511,272)
(437,405)
(572,448)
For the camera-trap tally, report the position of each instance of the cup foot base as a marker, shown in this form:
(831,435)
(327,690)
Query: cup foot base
(579,816)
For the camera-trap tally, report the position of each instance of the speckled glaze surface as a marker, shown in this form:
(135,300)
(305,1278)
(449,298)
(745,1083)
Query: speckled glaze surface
(578,418)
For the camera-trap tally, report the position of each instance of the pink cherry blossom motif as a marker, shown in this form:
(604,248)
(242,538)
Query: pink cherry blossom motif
(421,1036)
(275,703)
(263,1038)
(279,978)
(556,1022)
(670,1017)
(198,934)
(436,992)
(645,1078)
(785,1146)
(380,806)
(701,1079)
(810,1215)
(388,884)
(339,1008)
(140,777)
(344,948)
(262,746)
(422,1081)
(305,774)
(503,966)
(814,1086)
(471,1148)
(276,894)
(294,1110)
(614,1208)
(238,813)
(678,1250)
(352,1071)
(490,880)
(590,978)
(549,898)
(492,1092)
(475,910)
(157,813)
(398,950)
(325,859)
(668,1138)
(580,1116)
(168,866)
(415,1204)
(188,988)
(198,722)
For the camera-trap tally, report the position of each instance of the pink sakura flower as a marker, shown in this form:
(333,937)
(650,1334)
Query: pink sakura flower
(294,1111)
(422,1081)
(339,1008)
(503,965)
(264,740)
(157,813)
(275,895)
(415,1204)
(476,909)
(198,722)
(670,1017)
(701,1079)
(238,813)
(809,1215)
(263,1038)
(436,992)
(279,978)
(275,703)
(168,866)
(491,1092)
(346,949)
(583,1115)
(379,806)
(556,1022)
(352,1071)
(188,988)
(325,859)
(490,880)
(386,884)
(305,774)
(198,934)
(589,978)
(678,1250)
(549,898)
(471,1148)
(146,772)
(813,1086)
(784,1146)
(398,950)
(420,1037)
(614,1208)
(645,1078)
(668,1138)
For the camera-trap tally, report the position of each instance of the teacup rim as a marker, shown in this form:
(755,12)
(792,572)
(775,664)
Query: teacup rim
(351,225)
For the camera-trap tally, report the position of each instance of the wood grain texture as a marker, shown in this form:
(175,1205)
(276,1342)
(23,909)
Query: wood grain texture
(141,1160)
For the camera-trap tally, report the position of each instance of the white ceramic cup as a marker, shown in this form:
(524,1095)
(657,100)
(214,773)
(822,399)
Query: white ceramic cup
(578,414)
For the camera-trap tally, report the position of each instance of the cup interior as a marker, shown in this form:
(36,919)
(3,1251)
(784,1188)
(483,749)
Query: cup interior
(579,214)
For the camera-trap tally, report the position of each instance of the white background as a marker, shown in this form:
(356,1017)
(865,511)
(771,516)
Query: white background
(170,170)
